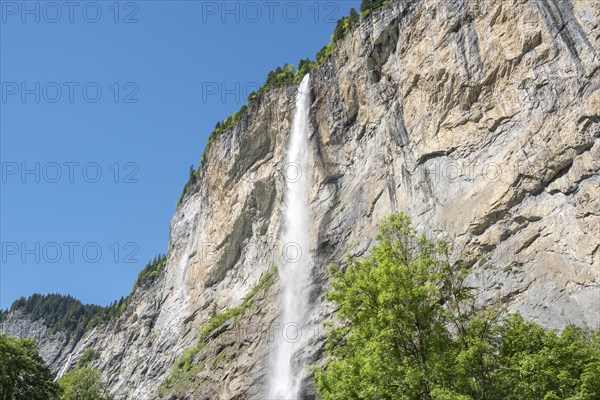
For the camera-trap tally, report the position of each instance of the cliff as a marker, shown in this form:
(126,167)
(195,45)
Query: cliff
(480,119)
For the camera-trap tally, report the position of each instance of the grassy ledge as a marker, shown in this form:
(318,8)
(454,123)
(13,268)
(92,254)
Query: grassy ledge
(184,370)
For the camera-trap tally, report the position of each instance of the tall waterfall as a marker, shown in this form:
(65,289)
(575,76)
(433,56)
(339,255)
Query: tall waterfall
(287,366)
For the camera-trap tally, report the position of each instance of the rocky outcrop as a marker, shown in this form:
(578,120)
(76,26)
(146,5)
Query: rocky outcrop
(480,119)
(53,345)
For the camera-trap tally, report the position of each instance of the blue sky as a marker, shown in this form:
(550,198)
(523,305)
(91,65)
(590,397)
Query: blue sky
(104,107)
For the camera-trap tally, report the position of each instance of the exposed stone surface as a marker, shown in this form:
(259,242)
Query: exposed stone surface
(53,346)
(481,119)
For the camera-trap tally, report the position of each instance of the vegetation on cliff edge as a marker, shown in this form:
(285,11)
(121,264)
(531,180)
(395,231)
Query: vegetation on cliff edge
(287,75)
(63,313)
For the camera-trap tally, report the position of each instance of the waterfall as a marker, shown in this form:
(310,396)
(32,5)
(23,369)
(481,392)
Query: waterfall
(287,366)
(64,369)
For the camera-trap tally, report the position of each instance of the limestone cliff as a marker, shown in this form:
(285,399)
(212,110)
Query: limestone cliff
(480,119)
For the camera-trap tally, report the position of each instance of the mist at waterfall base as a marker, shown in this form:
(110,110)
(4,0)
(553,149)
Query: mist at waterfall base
(287,366)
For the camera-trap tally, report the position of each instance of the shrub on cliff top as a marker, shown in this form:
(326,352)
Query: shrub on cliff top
(368,6)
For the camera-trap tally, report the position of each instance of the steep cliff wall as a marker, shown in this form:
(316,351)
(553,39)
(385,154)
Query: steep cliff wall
(481,119)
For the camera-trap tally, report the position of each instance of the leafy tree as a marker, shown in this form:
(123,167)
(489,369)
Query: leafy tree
(280,77)
(153,268)
(340,30)
(83,384)
(345,25)
(395,338)
(252,97)
(536,364)
(324,54)
(23,374)
(67,314)
(354,17)
(408,330)
(58,312)
(368,6)
(89,356)
(193,174)
(304,67)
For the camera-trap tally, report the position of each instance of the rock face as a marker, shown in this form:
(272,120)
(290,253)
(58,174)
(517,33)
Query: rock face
(480,119)
(53,346)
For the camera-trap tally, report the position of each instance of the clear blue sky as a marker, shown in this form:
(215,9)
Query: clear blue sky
(157,76)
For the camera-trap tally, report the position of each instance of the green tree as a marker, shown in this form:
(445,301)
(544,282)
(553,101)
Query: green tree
(89,356)
(537,364)
(354,17)
(408,329)
(394,340)
(83,384)
(324,54)
(368,6)
(304,67)
(58,312)
(193,174)
(345,25)
(23,374)
(151,270)
(68,315)
(340,30)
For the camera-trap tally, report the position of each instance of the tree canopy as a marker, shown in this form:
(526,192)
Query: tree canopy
(23,374)
(66,314)
(83,384)
(368,6)
(408,330)
(58,312)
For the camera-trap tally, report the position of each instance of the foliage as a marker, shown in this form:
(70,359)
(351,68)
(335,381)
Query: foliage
(408,330)
(264,282)
(193,177)
(304,67)
(287,75)
(151,271)
(227,124)
(184,368)
(367,7)
(58,312)
(110,313)
(281,76)
(67,314)
(324,54)
(23,375)
(342,28)
(89,356)
(345,25)
(83,384)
